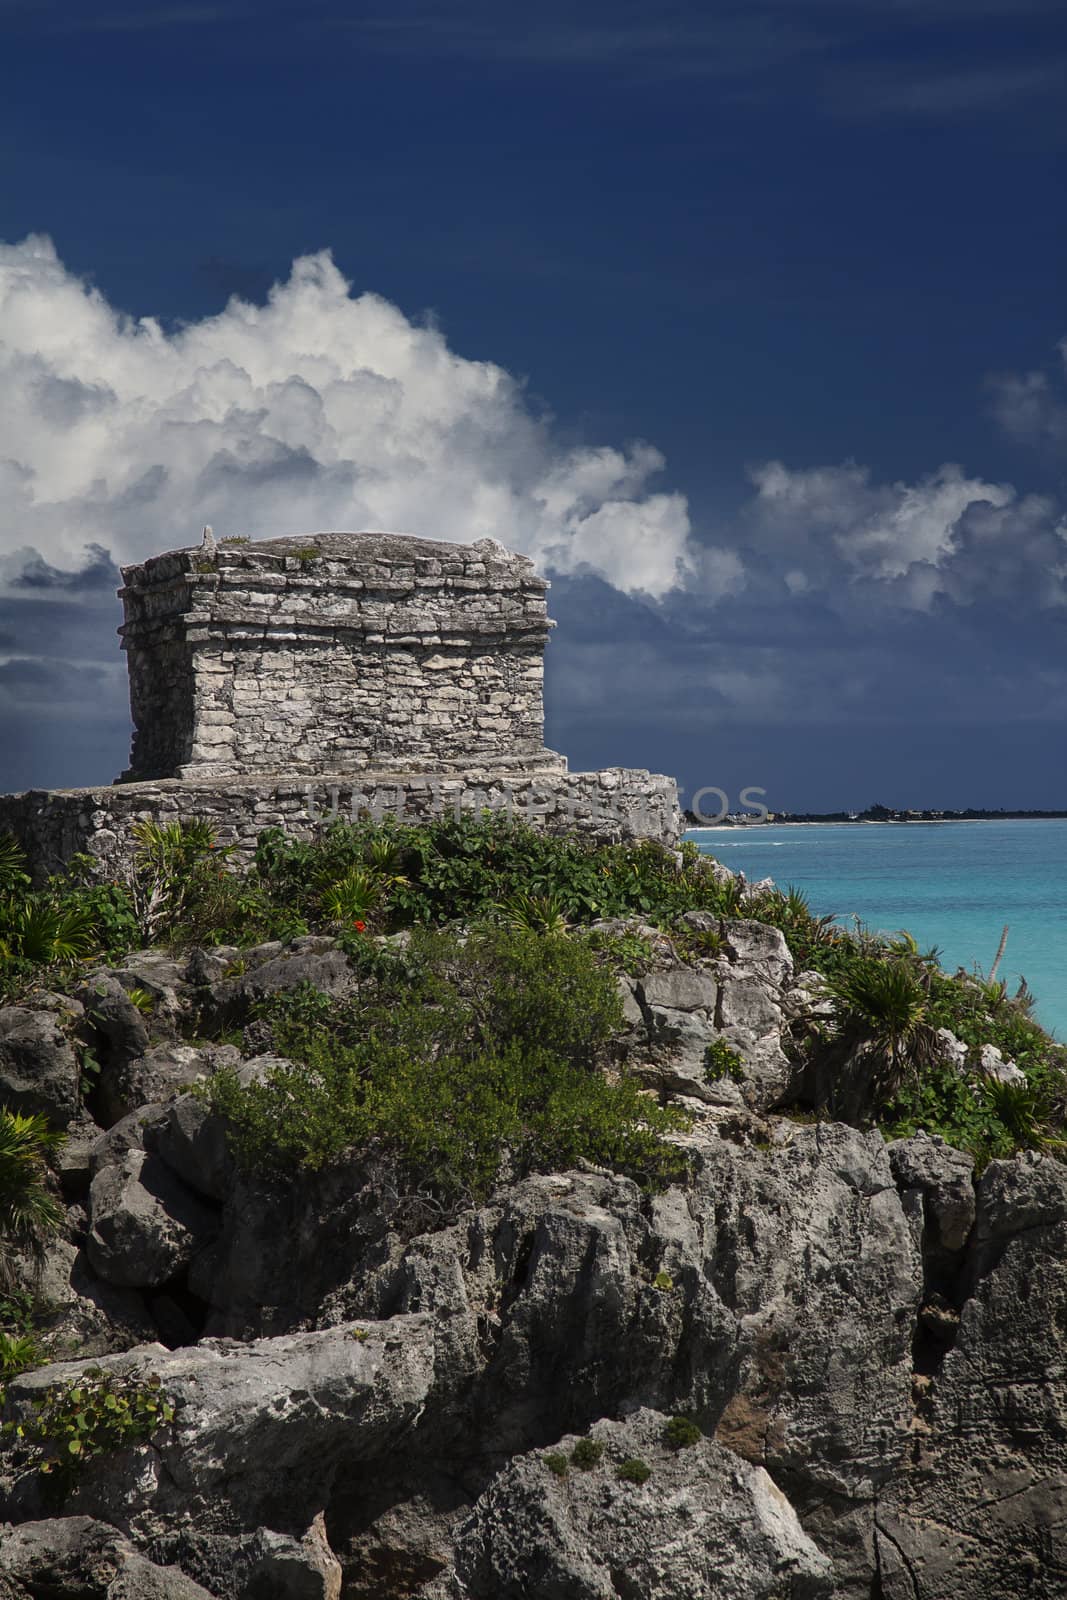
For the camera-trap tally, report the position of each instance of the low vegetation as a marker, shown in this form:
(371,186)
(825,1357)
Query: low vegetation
(587,1454)
(681,1433)
(479,1048)
(29,1212)
(95,1415)
(454,1058)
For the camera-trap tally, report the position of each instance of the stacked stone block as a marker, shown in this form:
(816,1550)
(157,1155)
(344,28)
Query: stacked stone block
(333,653)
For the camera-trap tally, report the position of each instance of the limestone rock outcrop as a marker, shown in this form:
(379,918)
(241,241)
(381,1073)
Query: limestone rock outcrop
(869,1338)
(702,1522)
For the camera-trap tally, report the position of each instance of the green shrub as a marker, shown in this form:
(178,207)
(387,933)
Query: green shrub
(681,1433)
(452,1057)
(663,1282)
(627,952)
(633,1470)
(587,1454)
(547,990)
(533,913)
(556,1463)
(448,1121)
(20,1348)
(467,868)
(28,1212)
(92,1416)
(720,1061)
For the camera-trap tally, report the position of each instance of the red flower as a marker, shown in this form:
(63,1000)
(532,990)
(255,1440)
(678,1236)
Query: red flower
(360,927)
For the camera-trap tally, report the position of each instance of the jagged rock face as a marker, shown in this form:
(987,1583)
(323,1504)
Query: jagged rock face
(39,1071)
(776,1300)
(872,1343)
(982,1508)
(793,1280)
(77,1558)
(703,1522)
(146,1225)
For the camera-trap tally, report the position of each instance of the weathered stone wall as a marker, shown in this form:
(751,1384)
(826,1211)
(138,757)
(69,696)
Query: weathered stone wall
(333,653)
(279,683)
(614,804)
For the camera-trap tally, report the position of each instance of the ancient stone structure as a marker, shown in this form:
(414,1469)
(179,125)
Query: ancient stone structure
(282,682)
(335,653)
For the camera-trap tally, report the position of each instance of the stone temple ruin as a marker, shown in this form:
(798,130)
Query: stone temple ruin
(285,681)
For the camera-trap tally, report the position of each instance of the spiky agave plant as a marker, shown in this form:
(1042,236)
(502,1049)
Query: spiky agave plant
(36,928)
(385,855)
(169,860)
(882,1008)
(13,874)
(28,1213)
(355,897)
(905,944)
(534,913)
(1025,1112)
(731,899)
(800,918)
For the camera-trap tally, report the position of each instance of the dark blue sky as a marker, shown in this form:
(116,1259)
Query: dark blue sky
(807,233)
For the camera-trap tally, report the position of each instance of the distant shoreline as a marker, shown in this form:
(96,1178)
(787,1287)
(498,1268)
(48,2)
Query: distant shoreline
(867,822)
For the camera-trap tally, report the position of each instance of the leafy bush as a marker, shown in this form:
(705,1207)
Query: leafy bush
(681,1433)
(459,1056)
(556,1462)
(93,1416)
(633,1470)
(521,986)
(449,1121)
(587,1454)
(20,1349)
(475,868)
(721,1061)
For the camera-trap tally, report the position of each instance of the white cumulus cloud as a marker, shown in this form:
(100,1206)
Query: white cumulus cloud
(321,409)
(947,535)
(1032,406)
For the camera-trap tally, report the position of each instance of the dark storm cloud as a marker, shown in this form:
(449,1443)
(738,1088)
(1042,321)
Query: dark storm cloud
(30,570)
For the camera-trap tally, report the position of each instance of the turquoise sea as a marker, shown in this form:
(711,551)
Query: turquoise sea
(951,884)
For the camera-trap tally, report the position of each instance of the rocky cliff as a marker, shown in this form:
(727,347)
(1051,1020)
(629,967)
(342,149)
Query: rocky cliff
(823,1364)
